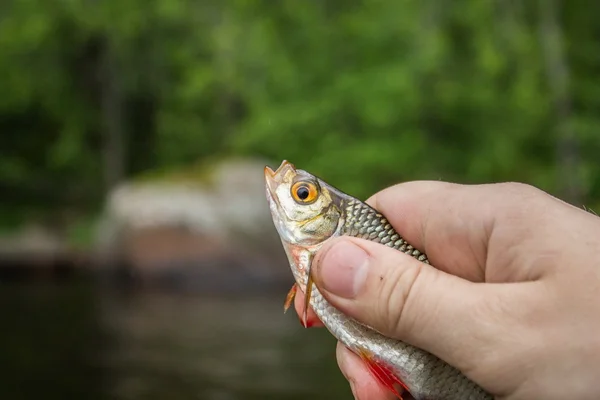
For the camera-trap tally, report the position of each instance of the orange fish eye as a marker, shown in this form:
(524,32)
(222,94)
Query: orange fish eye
(304,192)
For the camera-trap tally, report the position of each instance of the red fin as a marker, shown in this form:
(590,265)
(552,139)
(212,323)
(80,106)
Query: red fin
(307,295)
(290,297)
(382,373)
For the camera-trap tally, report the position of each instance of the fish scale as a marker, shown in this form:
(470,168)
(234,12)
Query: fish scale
(366,223)
(428,377)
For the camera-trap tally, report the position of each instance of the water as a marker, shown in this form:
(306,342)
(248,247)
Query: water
(74,341)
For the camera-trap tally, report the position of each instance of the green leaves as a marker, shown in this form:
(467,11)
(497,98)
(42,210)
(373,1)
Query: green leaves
(364,94)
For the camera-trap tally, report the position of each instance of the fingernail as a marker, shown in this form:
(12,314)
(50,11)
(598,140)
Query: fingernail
(343,269)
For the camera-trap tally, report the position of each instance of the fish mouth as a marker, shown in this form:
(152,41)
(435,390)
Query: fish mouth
(275,178)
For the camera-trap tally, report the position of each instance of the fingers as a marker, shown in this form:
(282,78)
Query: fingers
(406,299)
(363,384)
(452,223)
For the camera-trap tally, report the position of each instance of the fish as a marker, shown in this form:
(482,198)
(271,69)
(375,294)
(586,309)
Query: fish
(307,212)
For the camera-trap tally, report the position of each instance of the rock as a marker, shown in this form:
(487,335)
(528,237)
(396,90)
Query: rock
(38,253)
(32,239)
(220,225)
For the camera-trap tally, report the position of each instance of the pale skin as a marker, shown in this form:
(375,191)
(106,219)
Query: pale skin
(513,300)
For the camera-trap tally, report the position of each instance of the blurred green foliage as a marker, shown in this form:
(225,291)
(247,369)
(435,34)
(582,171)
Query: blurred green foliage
(362,93)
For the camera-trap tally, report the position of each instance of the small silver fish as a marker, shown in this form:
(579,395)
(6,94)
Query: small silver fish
(308,212)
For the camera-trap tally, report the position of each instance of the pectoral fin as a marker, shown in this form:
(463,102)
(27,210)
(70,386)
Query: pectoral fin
(307,295)
(290,297)
(382,373)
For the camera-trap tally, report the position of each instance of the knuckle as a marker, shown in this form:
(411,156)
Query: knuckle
(395,296)
(519,190)
(518,200)
(515,186)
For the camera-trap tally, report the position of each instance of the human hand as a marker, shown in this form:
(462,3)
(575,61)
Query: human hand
(513,300)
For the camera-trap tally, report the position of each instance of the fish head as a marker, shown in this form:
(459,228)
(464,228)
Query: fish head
(306,212)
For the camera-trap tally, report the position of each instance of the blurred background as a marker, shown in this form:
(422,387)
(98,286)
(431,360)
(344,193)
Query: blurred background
(138,259)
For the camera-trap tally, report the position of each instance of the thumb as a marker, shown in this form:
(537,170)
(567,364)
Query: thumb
(406,299)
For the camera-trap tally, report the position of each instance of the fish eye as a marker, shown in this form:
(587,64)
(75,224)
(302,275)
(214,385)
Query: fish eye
(304,192)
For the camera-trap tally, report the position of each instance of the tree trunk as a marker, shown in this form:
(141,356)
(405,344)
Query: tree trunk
(557,69)
(112,117)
